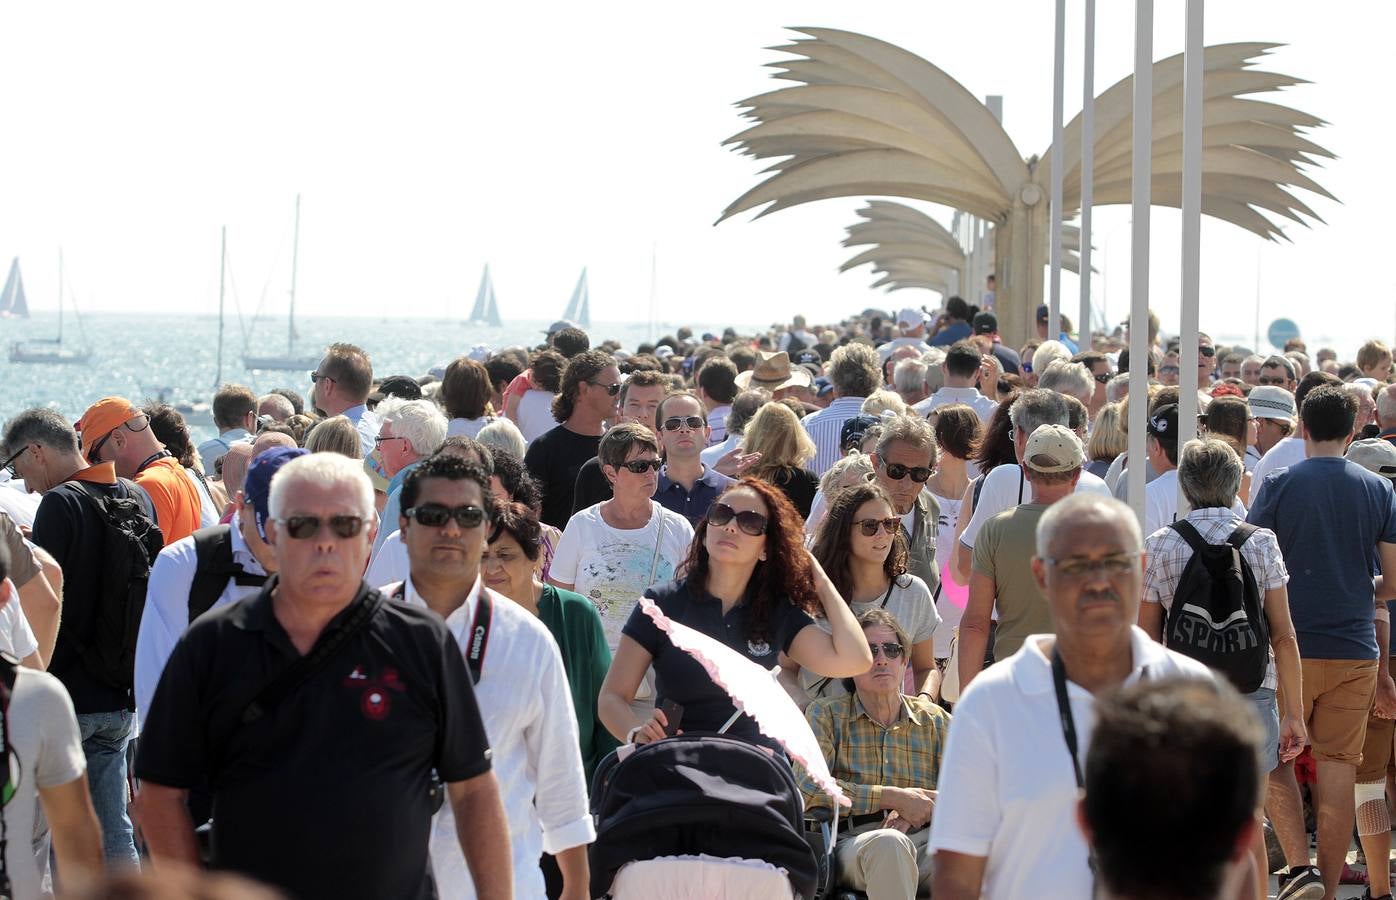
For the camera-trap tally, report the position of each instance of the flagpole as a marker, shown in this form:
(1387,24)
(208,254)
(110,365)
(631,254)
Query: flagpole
(1140,198)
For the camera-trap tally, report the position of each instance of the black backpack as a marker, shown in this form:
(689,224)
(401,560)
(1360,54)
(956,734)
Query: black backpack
(214,568)
(1217,616)
(130,542)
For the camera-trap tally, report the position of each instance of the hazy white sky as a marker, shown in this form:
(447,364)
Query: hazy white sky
(430,138)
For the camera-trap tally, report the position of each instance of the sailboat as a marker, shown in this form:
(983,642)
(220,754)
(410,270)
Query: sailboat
(45,350)
(486,309)
(12,301)
(579,307)
(291,360)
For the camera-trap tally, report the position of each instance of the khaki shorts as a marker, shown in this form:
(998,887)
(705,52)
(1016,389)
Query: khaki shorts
(1338,696)
(1376,750)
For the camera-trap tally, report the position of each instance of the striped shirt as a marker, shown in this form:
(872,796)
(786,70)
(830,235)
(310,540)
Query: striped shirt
(824,427)
(863,755)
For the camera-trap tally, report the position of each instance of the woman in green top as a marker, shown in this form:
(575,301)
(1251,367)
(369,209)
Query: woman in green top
(508,567)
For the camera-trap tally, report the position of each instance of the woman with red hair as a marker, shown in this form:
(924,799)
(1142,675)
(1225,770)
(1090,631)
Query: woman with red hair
(750,583)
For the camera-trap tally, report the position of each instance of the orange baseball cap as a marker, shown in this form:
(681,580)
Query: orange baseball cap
(102,418)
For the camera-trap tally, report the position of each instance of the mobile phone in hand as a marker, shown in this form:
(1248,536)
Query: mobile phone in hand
(673,714)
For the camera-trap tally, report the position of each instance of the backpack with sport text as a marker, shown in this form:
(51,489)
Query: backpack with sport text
(1217,616)
(130,542)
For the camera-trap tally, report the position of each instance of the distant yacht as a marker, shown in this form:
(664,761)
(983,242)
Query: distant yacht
(40,350)
(291,360)
(579,307)
(486,309)
(12,301)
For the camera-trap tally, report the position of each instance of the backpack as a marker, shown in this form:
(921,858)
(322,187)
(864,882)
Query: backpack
(214,567)
(130,542)
(1217,616)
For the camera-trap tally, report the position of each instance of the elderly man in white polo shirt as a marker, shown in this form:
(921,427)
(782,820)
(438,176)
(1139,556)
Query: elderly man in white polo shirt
(1012,769)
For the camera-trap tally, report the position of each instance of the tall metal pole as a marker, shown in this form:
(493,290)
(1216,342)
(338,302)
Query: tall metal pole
(1140,198)
(1054,252)
(1192,226)
(222,280)
(1087,173)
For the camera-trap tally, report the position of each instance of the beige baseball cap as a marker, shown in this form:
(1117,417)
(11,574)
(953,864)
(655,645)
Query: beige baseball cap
(1054,448)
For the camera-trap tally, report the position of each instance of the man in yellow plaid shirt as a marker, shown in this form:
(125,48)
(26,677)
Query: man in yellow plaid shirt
(885,749)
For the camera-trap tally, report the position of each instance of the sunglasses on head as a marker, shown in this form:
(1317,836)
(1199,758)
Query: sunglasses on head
(749,521)
(611,389)
(95,454)
(302,527)
(640,466)
(674,423)
(889,650)
(897,471)
(436,515)
(869,526)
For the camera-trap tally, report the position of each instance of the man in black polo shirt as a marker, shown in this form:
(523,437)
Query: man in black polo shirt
(321,775)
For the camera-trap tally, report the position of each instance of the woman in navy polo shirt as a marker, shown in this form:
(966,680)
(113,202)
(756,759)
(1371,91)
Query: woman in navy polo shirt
(748,582)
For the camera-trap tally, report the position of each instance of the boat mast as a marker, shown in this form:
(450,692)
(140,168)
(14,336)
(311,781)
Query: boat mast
(60,295)
(295,252)
(222,266)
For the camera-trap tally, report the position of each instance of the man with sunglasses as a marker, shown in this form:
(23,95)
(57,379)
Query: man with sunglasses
(686,486)
(522,688)
(887,746)
(587,400)
(316,712)
(902,463)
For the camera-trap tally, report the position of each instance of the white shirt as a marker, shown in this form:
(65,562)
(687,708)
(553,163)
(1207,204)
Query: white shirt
(1006,786)
(467,427)
(983,406)
(885,351)
(1006,487)
(17,502)
(717,451)
(526,703)
(366,423)
(535,414)
(16,637)
(389,563)
(166,613)
(1161,503)
(1286,453)
(47,753)
(717,423)
(213,449)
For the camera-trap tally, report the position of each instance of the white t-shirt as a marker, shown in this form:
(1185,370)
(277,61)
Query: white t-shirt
(1006,487)
(1286,453)
(1006,786)
(535,414)
(469,427)
(611,567)
(208,513)
(1161,503)
(47,751)
(389,564)
(982,406)
(909,602)
(16,637)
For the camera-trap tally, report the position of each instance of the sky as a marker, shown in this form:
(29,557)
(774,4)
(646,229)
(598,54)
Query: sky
(428,139)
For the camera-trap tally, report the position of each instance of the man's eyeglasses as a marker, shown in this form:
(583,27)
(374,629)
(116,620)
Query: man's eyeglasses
(95,454)
(897,471)
(436,515)
(611,389)
(303,527)
(1079,567)
(889,650)
(674,423)
(378,441)
(749,521)
(869,526)
(10,463)
(640,466)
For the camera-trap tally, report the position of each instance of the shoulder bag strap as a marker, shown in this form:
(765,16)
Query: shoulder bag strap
(1188,533)
(1242,534)
(658,539)
(887,596)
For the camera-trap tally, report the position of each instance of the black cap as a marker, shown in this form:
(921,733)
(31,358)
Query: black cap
(403,386)
(1042,313)
(1163,423)
(985,322)
(854,429)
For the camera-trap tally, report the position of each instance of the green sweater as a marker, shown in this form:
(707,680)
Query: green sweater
(576,626)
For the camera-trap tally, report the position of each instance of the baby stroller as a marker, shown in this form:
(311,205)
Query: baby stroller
(700,816)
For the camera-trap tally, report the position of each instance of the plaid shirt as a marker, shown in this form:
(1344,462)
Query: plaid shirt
(863,755)
(1169,554)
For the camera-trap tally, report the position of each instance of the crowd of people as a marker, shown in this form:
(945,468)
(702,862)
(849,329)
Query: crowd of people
(376,641)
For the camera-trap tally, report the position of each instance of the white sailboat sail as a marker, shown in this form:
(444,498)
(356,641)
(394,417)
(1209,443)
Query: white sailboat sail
(12,299)
(492,313)
(479,313)
(579,307)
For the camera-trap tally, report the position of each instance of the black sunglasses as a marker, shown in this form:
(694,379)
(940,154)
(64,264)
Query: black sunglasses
(869,526)
(436,515)
(890,650)
(897,471)
(639,466)
(302,527)
(1103,378)
(749,521)
(316,376)
(1207,351)
(674,423)
(611,389)
(10,463)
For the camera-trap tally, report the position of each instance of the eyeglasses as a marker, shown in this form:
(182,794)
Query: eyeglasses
(869,526)
(378,441)
(889,650)
(1079,567)
(1168,370)
(749,521)
(674,423)
(1103,378)
(1272,380)
(1207,351)
(10,463)
(897,471)
(95,454)
(611,389)
(303,527)
(316,377)
(436,515)
(640,466)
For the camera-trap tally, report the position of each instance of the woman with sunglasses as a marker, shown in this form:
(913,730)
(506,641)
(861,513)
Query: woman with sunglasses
(861,545)
(785,448)
(749,583)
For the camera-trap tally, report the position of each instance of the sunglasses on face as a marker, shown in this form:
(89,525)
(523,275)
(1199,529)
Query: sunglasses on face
(436,515)
(611,389)
(10,463)
(869,526)
(95,454)
(316,377)
(1207,351)
(1102,378)
(749,521)
(674,423)
(1168,370)
(897,471)
(889,650)
(640,466)
(303,527)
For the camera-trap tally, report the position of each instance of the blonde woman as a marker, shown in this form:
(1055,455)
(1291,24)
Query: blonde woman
(335,435)
(884,402)
(1108,440)
(786,449)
